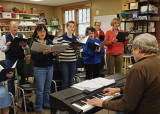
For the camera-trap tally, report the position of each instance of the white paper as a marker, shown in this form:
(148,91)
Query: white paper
(83,40)
(59,47)
(1,68)
(14,66)
(40,47)
(94,84)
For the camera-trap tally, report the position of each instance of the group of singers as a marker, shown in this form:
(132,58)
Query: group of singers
(140,92)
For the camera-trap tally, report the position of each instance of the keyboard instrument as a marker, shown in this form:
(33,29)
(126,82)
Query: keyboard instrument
(74,101)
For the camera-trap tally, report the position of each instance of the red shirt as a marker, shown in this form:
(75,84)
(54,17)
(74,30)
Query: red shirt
(117,48)
(100,33)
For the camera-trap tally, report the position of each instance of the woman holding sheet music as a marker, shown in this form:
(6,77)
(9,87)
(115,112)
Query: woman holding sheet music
(115,50)
(67,58)
(43,68)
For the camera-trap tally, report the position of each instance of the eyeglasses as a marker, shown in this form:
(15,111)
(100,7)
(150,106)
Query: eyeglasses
(42,31)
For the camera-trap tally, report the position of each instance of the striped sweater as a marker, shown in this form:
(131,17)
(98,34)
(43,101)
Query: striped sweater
(69,54)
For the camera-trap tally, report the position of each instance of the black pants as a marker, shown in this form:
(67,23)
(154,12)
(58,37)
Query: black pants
(92,70)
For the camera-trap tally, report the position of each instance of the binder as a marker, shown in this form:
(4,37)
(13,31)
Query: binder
(121,36)
(16,41)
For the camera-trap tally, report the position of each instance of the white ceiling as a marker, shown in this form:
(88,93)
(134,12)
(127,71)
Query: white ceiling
(48,2)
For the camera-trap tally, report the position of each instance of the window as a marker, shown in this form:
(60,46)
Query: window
(68,16)
(83,21)
(80,15)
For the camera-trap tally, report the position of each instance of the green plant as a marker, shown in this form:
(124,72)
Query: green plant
(14,8)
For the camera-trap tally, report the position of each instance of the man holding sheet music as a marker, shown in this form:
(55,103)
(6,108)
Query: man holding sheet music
(141,93)
(13,53)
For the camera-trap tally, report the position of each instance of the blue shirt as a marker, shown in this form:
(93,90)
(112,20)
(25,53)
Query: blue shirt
(90,56)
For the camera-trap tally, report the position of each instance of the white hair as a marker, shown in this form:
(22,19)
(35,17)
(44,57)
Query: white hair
(13,22)
(147,43)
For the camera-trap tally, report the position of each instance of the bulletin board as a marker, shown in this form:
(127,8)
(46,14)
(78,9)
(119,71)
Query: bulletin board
(105,21)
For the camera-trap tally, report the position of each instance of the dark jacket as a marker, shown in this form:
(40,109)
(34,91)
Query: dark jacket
(39,59)
(15,53)
(141,93)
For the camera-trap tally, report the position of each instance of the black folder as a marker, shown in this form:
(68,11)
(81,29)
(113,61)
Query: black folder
(101,37)
(121,36)
(75,44)
(16,41)
(92,46)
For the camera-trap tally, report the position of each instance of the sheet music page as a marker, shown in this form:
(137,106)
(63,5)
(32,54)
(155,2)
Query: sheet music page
(1,68)
(14,65)
(83,40)
(93,84)
(58,47)
(39,47)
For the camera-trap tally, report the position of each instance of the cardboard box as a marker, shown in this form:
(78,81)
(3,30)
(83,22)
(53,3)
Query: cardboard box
(134,5)
(34,11)
(7,15)
(125,7)
(130,1)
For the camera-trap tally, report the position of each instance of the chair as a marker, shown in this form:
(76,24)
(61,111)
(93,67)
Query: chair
(28,72)
(127,62)
(13,103)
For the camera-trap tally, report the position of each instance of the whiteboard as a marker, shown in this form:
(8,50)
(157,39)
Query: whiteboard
(105,21)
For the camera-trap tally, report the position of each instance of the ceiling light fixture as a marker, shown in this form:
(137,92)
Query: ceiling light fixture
(36,0)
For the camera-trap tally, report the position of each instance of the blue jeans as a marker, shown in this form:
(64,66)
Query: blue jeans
(20,70)
(43,78)
(68,70)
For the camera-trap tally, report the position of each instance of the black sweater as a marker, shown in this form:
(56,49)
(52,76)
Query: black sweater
(39,59)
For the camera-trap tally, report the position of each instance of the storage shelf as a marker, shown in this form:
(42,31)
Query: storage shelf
(22,13)
(26,14)
(21,31)
(139,21)
(19,19)
(19,25)
(140,32)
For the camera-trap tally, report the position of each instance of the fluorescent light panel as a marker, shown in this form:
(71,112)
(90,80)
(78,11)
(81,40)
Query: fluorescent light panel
(36,0)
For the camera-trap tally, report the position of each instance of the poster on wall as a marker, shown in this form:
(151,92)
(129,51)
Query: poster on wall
(105,21)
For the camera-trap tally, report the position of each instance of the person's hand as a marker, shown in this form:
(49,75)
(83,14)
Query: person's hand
(111,91)
(79,47)
(98,50)
(127,37)
(46,51)
(9,75)
(114,40)
(22,44)
(55,53)
(95,102)
(8,44)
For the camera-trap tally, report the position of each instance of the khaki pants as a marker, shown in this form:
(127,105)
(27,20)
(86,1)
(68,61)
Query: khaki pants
(114,64)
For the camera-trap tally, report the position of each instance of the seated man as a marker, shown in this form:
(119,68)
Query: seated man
(141,92)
